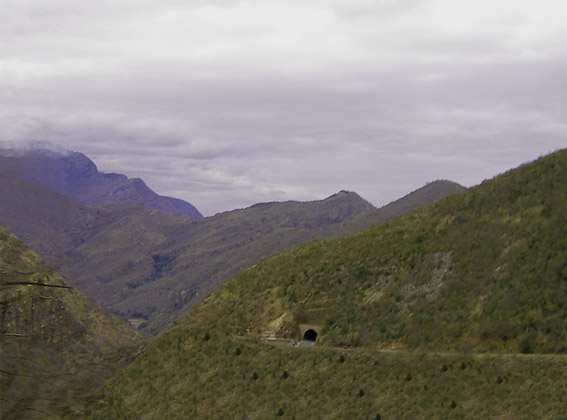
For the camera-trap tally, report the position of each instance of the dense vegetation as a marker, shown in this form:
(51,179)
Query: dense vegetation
(55,344)
(468,288)
(483,270)
(150,267)
(181,376)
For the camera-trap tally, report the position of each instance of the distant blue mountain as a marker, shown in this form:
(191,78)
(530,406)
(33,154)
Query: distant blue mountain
(75,175)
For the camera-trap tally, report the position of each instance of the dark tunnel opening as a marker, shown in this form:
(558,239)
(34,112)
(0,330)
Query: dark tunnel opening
(310,335)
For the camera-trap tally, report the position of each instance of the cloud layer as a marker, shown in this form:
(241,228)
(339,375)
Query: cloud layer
(228,103)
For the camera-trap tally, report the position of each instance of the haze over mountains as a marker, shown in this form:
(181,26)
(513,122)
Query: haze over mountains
(449,303)
(481,270)
(150,267)
(75,175)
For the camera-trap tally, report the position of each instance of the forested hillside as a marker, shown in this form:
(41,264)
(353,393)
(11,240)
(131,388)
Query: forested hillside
(150,267)
(465,291)
(56,345)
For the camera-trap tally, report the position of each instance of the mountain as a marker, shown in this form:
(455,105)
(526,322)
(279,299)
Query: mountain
(428,194)
(56,345)
(440,311)
(483,270)
(150,267)
(75,175)
(49,222)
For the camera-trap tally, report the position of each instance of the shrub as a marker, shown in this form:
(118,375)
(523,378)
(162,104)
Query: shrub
(525,345)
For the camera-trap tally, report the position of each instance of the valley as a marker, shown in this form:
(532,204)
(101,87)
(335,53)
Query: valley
(453,310)
(296,210)
(151,267)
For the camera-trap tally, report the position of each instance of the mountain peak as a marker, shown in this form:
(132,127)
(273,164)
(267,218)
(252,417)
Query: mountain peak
(343,193)
(74,174)
(78,167)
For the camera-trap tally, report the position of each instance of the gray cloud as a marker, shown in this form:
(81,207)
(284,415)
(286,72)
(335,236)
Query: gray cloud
(230,103)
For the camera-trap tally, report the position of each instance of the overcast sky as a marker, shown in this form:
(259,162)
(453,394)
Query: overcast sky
(225,103)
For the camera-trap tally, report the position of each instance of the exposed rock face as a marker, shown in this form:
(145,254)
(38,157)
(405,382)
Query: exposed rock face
(76,175)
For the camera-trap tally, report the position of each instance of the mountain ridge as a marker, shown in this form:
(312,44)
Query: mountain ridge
(150,267)
(75,175)
(454,310)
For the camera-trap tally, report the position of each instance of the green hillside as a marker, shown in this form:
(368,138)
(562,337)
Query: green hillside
(466,289)
(150,267)
(426,195)
(55,344)
(481,270)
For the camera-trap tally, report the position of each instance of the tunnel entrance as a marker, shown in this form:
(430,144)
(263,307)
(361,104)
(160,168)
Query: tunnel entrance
(310,335)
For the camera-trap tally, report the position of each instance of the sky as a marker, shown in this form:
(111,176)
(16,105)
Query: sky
(226,103)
